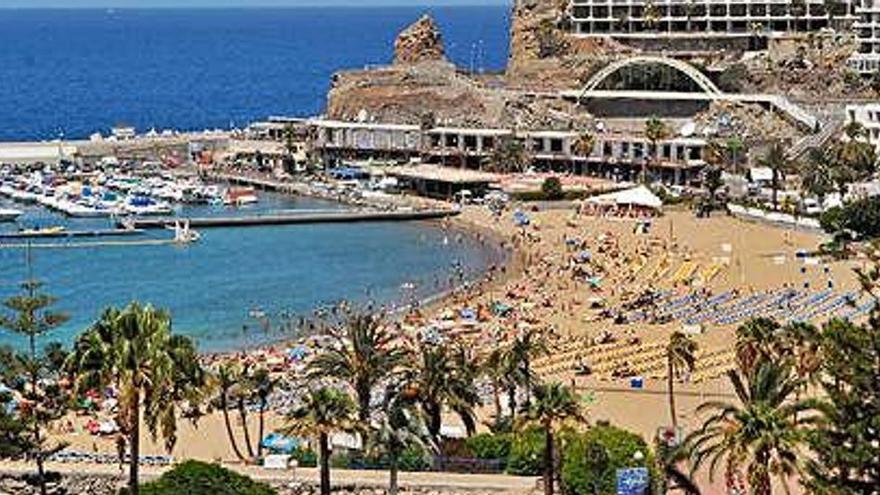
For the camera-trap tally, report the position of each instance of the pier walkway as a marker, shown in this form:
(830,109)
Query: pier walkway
(64,234)
(291,219)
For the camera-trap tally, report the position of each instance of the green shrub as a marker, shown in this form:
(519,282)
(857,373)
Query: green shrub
(861,217)
(415,458)
(552,189)
(305,457)
(567,195)
(490,446)
(526,453)
(590,460)
(199,478)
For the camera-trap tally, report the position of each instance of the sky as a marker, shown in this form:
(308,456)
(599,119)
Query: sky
(119,4)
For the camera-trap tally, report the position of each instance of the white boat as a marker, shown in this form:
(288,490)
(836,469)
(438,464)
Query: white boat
(241,196)
(9,214)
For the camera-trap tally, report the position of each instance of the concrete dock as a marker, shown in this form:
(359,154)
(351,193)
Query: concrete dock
(70,233)
(292,219)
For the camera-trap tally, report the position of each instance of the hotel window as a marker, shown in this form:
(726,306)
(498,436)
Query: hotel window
(607,150)
(556,145)
(452,141)
(470,143)
(488,142)
(537,144)
(638,150)
(667,151)
(435,140)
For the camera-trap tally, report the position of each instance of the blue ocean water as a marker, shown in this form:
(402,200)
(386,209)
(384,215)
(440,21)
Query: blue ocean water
(215,288)
(76,72)
(80,71)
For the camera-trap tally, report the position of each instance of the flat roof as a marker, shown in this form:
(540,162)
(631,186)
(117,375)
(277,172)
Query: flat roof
(341,124)
(473,131)
(549,134)
(442,174)
(31,152)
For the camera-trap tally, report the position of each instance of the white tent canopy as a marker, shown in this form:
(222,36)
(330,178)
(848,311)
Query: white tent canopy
(637,196)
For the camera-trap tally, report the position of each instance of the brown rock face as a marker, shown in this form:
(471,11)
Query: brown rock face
(420,42)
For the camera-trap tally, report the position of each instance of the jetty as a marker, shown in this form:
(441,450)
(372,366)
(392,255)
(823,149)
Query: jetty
(61,234)
(291,219)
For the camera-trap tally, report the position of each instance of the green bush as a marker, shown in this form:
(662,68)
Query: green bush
(567,195)
(199,478)
(490,446)
(860,217)
(305,457)
(590,460)
(552,189)
(526,453)
(415,458)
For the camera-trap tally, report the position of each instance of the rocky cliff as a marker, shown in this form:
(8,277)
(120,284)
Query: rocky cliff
(422,86)
(543,56)
(420,42)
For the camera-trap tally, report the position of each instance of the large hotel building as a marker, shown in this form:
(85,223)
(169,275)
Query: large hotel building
(731,18)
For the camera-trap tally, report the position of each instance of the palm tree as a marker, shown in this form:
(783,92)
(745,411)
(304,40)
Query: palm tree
(655,131)
(495,367)
(584,144)
(734,147)
(762,432)
(134,350)
(817,174)
(757,338)
(528,345)
(777,162)
(554,404)
(32,318)
(509,155)
(324,411)
(680,354)
(263,385)
(242,393)
(363,354)
(444,375)
(227,377)
(290,148)
(400,427)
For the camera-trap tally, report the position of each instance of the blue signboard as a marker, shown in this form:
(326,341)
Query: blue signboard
(632,481)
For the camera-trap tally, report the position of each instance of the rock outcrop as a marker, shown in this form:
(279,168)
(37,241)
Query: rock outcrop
(420,42)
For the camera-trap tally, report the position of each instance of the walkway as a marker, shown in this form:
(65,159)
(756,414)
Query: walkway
(339,477)
(775,102)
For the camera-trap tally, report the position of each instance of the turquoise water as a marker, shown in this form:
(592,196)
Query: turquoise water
(212,288)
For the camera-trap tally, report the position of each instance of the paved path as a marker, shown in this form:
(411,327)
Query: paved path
(339,477)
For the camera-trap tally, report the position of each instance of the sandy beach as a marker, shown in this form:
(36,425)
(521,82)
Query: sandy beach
(751,258)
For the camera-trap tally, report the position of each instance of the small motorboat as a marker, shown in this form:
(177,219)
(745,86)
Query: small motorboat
(241,196)
(9,214)
(43,231)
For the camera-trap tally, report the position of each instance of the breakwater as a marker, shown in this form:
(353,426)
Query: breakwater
(292,219)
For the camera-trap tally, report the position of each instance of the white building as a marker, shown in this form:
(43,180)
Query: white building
(867,27)
(704,18)
(868,115)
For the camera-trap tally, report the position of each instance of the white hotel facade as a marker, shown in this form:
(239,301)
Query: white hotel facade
(867,27)
(868,115)
(697,19)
